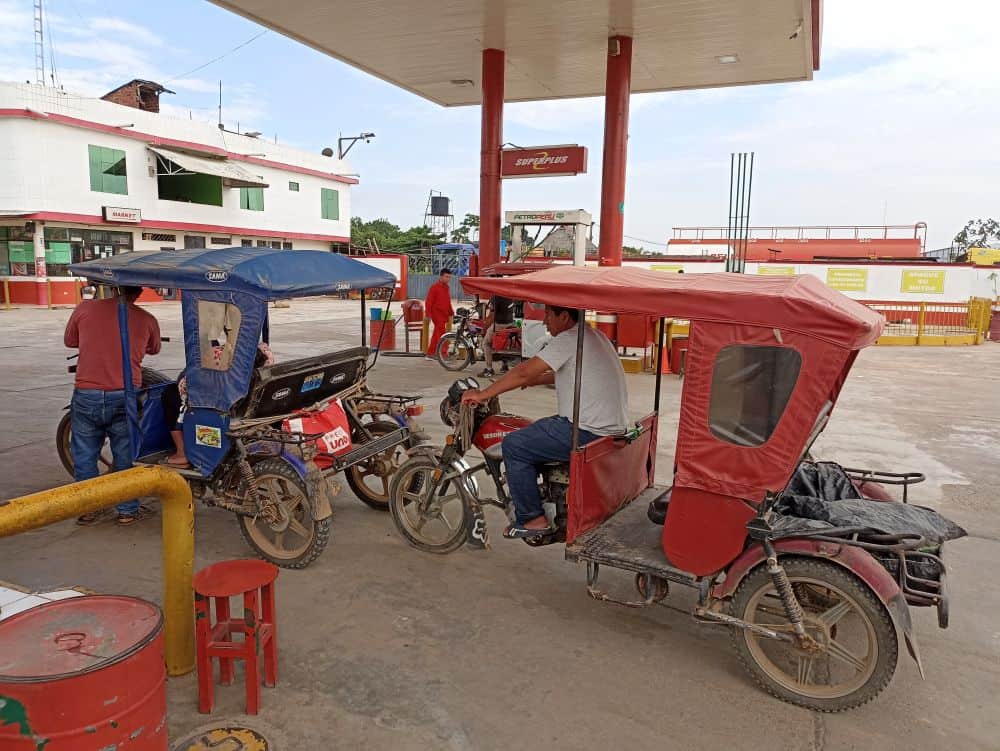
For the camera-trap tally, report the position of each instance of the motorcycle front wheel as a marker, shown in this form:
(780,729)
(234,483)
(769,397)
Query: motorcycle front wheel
(455,353)
(430,517)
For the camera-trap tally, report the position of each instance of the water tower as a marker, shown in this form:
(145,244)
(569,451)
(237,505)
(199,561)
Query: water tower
(437,215)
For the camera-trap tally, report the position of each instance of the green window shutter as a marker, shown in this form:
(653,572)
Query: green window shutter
(252,199)
(107,170)
(330,203)
(96,178)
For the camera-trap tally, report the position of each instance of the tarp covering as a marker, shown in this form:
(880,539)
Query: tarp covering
(792,303)
(821,496)
(262,272)
(235,176)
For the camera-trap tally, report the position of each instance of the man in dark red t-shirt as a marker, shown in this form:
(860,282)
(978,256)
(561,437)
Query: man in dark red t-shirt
(439,310)
(98,406)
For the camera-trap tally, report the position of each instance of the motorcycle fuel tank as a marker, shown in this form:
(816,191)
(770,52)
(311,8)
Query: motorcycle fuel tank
(495,428)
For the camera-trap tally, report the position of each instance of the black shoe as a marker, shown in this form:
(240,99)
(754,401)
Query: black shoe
(486,373)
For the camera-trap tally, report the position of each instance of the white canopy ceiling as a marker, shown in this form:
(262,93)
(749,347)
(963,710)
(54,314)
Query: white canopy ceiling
(554,48)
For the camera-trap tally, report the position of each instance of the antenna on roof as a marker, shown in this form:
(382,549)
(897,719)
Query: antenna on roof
(220,103)
(39,45)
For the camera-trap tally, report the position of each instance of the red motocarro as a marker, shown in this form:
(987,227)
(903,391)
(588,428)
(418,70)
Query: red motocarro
(813,567)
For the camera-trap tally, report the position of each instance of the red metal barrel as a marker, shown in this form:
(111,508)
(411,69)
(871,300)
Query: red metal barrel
(83,673)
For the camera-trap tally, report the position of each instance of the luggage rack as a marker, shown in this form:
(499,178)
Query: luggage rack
(905,479)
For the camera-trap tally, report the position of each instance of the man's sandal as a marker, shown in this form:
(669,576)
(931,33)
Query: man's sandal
(517,532)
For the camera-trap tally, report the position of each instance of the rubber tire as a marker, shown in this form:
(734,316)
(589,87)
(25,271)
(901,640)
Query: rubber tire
(396,509)
(150,377)
(356,485)
(321,528)
(456,365)
(874,610)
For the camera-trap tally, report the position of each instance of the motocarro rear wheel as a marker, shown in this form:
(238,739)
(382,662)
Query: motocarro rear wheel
(370,479)
(64,431)
(854,650)
(431,517)
(455,353)
(295,539)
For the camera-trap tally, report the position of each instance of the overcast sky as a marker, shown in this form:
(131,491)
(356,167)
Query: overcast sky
(902,121)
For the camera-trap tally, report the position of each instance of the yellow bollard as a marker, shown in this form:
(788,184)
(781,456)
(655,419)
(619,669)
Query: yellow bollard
(69,501)
(6,293)
(425,335)
(48,292)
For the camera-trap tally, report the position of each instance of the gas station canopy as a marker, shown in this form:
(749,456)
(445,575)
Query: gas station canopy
(554,48)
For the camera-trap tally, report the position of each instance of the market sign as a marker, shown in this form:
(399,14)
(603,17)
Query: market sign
(848,280)
(928,282)
(121,215)
(770,270)
(543,161)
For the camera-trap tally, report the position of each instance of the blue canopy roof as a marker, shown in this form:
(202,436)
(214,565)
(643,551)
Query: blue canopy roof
(262,272)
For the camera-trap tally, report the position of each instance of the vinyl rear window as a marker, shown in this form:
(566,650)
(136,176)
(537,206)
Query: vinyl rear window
(751,386)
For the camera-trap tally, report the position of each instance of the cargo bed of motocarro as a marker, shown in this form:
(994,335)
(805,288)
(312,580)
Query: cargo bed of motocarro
(628,540)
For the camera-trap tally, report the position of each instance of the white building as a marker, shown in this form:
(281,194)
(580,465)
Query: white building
(86,178)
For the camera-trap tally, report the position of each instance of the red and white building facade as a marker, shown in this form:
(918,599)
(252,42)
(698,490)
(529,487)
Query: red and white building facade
(86,178)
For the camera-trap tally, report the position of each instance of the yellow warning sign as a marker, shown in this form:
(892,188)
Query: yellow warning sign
(928,282)
(848,280)
(769,269)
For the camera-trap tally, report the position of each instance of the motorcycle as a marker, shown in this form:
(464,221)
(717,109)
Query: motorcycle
(435,499)
(460,348)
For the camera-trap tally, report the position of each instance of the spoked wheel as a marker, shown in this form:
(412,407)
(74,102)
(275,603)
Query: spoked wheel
(431,518)
(854,648)
(454,353)
(370,479)
(295,539)
(64,436)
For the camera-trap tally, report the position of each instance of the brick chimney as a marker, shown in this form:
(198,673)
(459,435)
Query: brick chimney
(139,94)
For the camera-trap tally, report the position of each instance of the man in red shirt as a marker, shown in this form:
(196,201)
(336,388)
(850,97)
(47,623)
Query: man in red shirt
(98,406)
(439,310)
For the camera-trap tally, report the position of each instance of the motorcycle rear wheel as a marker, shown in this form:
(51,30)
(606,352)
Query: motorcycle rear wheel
(856,640)
(297,538)
(413,509)
(450,352)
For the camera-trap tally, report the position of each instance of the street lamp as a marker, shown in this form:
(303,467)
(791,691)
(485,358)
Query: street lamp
(351,140)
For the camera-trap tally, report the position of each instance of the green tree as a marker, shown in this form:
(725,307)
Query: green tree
(977,233)
(467,231)
(630,251)
(390,238)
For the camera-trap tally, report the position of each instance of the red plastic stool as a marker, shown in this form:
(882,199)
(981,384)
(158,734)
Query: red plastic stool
(254,580)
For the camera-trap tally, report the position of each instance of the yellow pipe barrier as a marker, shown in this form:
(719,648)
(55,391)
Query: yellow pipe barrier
(6,294)
(69,501)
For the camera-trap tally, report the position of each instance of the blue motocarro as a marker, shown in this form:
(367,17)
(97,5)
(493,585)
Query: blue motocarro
(244,455)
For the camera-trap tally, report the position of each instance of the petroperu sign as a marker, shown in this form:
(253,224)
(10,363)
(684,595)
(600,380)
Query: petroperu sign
(543,161)
(122,215)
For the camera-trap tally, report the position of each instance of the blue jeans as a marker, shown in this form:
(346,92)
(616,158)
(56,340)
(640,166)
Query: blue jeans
(97,415)
(547,440)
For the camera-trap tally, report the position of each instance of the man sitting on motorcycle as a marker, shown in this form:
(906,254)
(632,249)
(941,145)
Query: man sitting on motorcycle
(603,404)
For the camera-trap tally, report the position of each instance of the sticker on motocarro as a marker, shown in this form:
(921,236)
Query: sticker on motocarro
(311,382)
(281,394)
(206,435)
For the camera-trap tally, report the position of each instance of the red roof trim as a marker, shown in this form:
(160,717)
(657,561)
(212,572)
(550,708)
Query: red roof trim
(154,140)
(55,216)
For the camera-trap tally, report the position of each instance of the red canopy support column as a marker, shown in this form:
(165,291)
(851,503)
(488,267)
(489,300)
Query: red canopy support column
(489,167)
(618,85)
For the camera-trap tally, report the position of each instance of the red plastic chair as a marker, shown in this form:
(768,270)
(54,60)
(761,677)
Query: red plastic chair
(254,580)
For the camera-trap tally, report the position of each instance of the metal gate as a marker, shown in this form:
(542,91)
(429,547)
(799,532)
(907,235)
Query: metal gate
(423,269)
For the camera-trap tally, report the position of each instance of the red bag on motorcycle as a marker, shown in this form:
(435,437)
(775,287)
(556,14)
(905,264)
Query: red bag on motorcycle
(332,423)
(507,340)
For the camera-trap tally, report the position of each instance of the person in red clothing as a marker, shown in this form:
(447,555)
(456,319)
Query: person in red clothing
(98,406)
(439,310)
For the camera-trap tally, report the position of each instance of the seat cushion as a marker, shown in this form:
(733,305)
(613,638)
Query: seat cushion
(494,452)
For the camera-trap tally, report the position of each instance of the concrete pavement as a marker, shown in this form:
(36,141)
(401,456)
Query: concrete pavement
(385,647)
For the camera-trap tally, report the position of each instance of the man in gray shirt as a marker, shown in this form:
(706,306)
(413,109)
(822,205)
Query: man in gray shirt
(603,401)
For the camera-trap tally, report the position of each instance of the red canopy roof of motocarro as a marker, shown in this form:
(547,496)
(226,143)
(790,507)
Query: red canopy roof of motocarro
(795,303)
